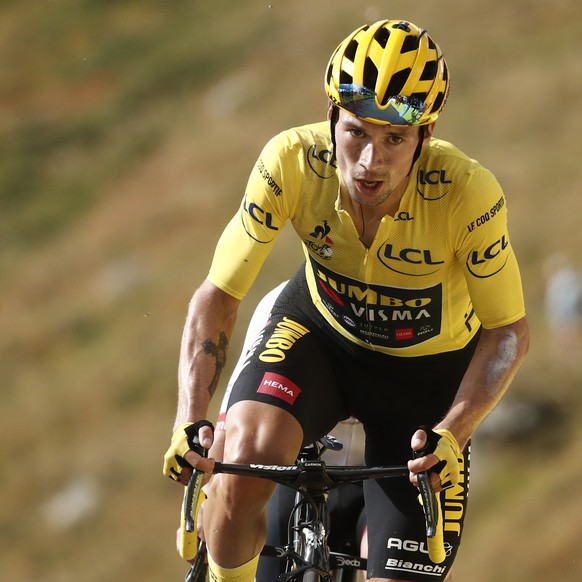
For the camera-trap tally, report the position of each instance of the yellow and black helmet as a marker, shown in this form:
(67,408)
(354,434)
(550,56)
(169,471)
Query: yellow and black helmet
(390,72)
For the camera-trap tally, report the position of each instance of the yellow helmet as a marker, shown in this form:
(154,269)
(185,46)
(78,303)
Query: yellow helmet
(390,72)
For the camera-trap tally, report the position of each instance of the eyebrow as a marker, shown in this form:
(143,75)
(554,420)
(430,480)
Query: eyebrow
(397,130)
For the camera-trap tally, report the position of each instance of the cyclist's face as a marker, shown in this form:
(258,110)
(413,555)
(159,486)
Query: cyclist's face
(374,160)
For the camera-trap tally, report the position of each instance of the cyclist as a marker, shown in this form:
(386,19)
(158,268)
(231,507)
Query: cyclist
(346,504)
(407,311)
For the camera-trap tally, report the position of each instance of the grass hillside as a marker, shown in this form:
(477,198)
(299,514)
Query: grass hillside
(127,131)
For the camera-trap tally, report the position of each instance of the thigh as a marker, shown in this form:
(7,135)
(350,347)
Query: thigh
(291,368)
(396,528)
(407,393)
(393,396)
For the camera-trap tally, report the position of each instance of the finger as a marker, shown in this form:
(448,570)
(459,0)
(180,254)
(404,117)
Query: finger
(205,436)
(200,464)
(184,476)
(422,463)
(413,478)
(434,478)
(418,440)
(435,482)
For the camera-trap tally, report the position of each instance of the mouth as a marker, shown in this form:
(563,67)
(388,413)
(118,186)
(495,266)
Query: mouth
(369,186)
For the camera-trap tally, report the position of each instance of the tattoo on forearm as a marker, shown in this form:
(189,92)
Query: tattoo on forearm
(218,351)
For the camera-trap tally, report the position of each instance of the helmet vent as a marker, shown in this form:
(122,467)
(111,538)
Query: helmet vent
(381,37)
(351,49)
(345,78)
(438,102)
(396,84)
(419,95)
(430,71)
(370,73)
(328,74)
(410,44)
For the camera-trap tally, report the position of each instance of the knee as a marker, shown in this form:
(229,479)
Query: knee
(240,495)
(260,433)
(237,492)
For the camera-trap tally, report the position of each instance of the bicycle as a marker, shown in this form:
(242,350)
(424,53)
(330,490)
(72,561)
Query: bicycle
(307,556)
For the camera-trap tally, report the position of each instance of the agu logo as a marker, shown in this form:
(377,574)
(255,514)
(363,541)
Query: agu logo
(279,386)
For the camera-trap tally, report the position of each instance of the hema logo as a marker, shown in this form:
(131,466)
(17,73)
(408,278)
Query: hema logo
(279,386)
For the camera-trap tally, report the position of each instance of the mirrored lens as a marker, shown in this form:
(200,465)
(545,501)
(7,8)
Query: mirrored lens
(400,110)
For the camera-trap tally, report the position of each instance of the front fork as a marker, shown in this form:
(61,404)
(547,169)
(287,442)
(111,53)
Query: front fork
(310,530)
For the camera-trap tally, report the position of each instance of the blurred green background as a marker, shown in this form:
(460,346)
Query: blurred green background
(127,132)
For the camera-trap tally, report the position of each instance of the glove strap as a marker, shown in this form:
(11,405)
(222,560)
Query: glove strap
(191,431)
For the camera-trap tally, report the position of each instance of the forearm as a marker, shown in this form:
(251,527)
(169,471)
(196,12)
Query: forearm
(205,341)
(499,354)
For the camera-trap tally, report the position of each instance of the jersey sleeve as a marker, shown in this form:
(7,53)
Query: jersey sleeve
(270,199)
(484,250)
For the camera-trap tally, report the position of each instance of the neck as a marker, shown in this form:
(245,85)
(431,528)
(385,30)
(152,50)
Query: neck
(367,218)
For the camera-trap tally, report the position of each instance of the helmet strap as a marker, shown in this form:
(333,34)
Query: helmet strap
(333,119)
(418,149)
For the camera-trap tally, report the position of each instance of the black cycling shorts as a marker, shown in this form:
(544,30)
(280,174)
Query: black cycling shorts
(301,365)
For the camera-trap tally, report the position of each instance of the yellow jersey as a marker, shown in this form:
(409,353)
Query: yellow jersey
(436,270)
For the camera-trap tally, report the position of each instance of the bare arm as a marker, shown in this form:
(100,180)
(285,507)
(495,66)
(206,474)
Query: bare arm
(499,354)
(205,341)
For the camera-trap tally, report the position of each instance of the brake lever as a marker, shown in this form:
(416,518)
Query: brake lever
(428,495)
(192,492)
(429,503)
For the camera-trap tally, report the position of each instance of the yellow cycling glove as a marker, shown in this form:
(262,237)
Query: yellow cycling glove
(184,439)
(448,451)
(442,443)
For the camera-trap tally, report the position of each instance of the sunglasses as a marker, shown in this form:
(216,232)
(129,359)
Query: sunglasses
(399,110)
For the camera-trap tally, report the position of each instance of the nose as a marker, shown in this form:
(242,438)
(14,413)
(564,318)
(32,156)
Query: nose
(371,156)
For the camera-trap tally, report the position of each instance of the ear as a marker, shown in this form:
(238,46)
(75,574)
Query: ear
(329,110)
(428,132)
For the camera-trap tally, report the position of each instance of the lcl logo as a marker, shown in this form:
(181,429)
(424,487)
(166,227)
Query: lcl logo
(477,262)
(321,161)
(431,178)
(259,215)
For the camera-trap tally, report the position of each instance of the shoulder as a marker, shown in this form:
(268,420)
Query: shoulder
(306,150)
(444,171)
(445,155)
(302,137)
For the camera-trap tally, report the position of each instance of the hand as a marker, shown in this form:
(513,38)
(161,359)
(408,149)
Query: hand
(441,457)
(187,451)
(436,452)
